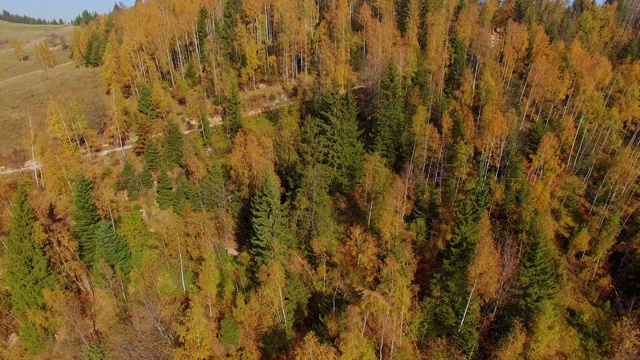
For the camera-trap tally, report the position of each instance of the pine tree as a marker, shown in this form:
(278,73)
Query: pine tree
(165,191)
(389,120)
(232,113)
(26,269)
(145,105)
(173,143)
(111,247)
(267,222)
(85,217)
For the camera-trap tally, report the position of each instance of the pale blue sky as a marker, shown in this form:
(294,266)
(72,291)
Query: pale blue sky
(58,9)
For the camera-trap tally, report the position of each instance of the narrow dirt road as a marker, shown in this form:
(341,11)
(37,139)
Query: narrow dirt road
(213,121)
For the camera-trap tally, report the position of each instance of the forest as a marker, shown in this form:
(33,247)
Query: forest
(438,180)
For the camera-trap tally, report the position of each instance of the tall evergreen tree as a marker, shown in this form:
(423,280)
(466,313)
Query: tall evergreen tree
(165,191)
(26,269)
(129,181)
(538,278)
(152,156)
(232,113)
(456,68)
(111,247)
(267,222)
(85,217)
(389,121)
(145,105)
(213,191)
(146,179)
(343,153)
(173,143)
(227,28)
(402,8)
(449,290)
(203,33)
(313,211)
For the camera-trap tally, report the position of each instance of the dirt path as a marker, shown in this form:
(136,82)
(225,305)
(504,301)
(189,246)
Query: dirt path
(34,72)
(213,121)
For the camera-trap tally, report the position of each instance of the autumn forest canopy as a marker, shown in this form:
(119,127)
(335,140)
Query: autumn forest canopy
(352,179)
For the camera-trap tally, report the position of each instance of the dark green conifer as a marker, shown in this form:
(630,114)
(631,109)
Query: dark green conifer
(129,181)
(165,191)
(389,120)
(152,156)
(213,188)
(26,268)
(456,68)
(146,179)
(145,105)
(111,247)
(85,217)
(227,28)
(343,153)
(173,143)
(538,278)
(449,290)
(232,113)
(203,19)
(267,222)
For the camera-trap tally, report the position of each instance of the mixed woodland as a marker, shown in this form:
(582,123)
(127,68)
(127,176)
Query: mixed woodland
(443,180)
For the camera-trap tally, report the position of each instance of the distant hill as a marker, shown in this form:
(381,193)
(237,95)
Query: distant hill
(23,19)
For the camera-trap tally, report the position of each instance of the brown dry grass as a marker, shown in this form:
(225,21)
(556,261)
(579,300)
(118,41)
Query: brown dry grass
(25,87)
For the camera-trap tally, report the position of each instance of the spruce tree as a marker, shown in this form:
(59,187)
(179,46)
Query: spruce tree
(232,119)
(342,151)
(146,179)
(203,19)
(26,269)
(145,105)
(173,143)
(213,188)
(389,120)
(538,278)
(227,28)
(85,217)
(402,9)
(267,222)
(456,68)
(111,247)
(449,290)
(312,205)
(129,181)
(152,156)
(165,191)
